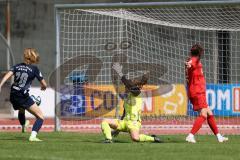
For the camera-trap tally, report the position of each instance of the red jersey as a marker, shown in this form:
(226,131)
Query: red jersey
(194,75)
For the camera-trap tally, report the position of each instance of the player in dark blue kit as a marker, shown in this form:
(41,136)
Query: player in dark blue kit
(24,73)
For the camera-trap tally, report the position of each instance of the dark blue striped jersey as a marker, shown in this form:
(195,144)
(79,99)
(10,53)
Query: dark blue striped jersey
(24,74)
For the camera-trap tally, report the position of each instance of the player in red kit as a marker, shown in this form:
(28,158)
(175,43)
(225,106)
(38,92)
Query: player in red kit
(197,94)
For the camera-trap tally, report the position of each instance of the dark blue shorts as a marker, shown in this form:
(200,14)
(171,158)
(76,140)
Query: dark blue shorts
(20,100)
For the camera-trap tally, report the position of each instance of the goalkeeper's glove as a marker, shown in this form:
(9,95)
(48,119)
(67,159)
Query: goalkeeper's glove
(118,68)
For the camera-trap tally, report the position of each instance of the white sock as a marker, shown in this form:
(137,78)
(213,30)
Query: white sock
(191,135)
(33,134)
(219,135)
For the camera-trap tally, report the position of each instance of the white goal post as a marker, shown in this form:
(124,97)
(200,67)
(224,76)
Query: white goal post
(153,38)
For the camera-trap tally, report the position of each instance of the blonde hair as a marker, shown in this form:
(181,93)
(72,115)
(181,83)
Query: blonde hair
(30,56)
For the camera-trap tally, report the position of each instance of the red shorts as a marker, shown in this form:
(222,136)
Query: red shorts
(199,102)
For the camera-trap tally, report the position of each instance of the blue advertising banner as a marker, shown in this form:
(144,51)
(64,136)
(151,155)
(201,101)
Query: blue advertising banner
(73,103)
(224,100)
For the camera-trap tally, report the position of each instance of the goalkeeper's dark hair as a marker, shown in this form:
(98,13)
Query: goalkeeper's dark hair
(142,81)
(196,50)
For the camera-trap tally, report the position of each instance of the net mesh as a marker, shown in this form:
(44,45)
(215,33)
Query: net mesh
(154,41)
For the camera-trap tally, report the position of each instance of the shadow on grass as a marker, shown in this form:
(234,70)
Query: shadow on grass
(172,140)
(102,141)
(13,138)
(165,140)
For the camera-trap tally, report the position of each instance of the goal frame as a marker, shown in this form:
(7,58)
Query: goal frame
(58,7)
(145,4)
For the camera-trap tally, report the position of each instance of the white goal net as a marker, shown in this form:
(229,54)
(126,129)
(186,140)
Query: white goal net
(153,39)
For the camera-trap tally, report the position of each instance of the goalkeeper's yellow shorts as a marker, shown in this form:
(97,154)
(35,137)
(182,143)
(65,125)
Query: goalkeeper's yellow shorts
(127,125)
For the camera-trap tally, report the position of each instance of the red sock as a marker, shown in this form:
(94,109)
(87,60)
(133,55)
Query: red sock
(212,124)
(197,124)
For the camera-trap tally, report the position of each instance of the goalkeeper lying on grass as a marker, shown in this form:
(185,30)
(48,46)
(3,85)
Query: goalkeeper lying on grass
(131,119)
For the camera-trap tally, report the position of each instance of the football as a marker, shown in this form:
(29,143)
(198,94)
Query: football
(36,99)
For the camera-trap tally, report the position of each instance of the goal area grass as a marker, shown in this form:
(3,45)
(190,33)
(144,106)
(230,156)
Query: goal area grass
(75,146)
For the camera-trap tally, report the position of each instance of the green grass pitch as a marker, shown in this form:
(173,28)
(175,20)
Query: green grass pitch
(76,146)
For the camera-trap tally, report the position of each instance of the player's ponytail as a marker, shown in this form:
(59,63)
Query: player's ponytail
(144,80)
(30,56)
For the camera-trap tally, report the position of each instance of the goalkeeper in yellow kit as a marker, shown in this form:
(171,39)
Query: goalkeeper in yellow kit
(131,119)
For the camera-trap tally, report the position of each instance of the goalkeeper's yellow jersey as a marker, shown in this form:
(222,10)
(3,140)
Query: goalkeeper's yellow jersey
(133,107)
